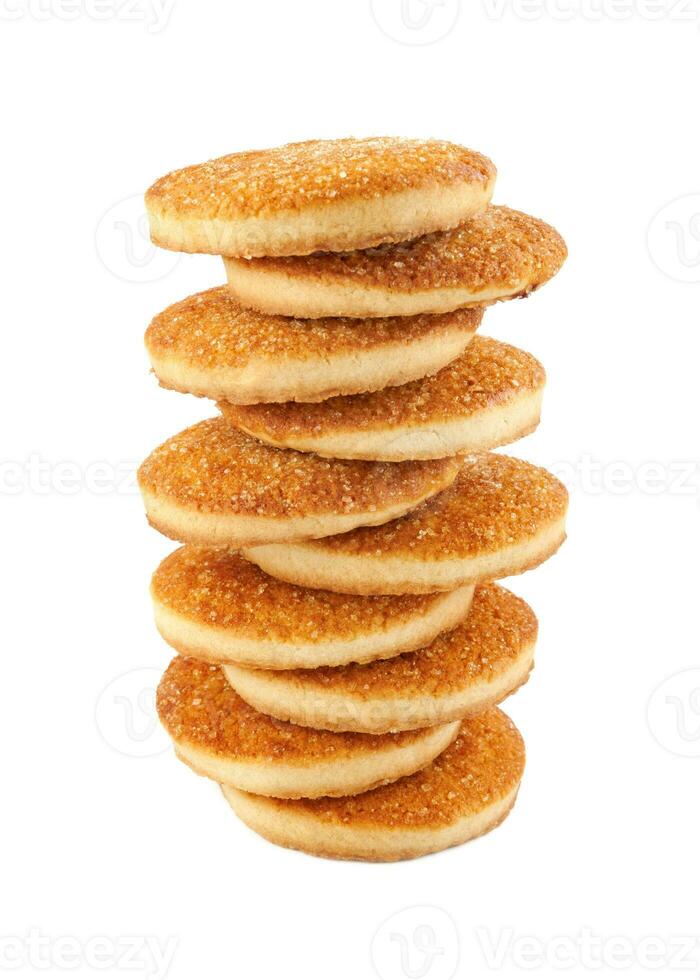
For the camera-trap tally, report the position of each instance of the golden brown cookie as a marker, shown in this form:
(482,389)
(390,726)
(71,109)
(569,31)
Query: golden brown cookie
(500,517)
(467,791)
(214,485)
(488,397)
(209,345)
(496,255)
(321,194)
(220,736)
(462,673)
(211,604)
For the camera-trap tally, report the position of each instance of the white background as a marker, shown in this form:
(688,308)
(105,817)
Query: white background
(590,113)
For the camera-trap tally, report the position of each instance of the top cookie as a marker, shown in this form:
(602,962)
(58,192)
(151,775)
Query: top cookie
(325,195)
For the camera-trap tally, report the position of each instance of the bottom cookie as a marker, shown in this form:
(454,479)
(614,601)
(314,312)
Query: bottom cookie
(464,793)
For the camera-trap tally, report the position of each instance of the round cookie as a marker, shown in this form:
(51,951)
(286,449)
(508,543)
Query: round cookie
(488,397)
(220,736)
(213,485)
(465,792)
(500,517)
(462,673)
(320,194)
(496,255)
(211,604)
(209,345)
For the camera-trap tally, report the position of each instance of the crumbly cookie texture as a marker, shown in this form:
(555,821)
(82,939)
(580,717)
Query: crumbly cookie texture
(213,467)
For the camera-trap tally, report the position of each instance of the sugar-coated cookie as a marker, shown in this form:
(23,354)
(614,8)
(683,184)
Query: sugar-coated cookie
(213,485)
(220,736)
(490,396)
(321,194)
(500,517)
(209,345)
(465,792)
(461,673)
(497,255)
(211,604)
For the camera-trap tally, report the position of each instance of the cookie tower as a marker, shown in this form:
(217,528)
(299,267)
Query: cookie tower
(341,642)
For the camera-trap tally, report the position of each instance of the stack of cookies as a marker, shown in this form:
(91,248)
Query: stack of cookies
(341,644)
